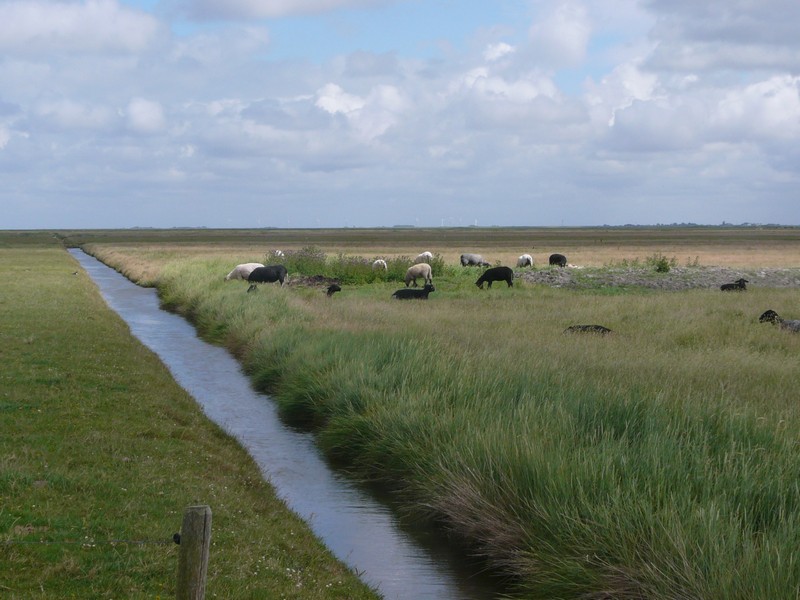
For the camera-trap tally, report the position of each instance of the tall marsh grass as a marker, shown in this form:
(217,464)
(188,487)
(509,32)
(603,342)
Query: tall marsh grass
(658,462)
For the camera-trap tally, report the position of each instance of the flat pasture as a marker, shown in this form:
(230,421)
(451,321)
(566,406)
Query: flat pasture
(650,463)
(777,247)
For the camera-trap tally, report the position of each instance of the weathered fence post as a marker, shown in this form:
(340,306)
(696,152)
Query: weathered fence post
(195,541)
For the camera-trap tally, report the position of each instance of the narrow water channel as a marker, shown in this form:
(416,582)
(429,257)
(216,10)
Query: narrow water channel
(359,529)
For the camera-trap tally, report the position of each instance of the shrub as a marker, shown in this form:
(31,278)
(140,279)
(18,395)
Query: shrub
(661,263)
(309,260)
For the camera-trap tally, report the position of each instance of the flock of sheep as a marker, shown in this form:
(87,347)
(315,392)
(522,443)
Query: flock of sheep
(255,273)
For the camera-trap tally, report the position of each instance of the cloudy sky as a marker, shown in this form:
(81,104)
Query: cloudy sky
(333,113)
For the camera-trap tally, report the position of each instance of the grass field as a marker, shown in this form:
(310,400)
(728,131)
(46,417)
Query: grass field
(101,451)
(659,462)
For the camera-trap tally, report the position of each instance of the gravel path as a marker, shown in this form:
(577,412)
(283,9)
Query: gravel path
(678,278)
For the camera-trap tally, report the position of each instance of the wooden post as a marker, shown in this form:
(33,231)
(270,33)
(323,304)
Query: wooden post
(195,541)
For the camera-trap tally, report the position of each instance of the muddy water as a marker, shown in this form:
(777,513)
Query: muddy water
(400,562)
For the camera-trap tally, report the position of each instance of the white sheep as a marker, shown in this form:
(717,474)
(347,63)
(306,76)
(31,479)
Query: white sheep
(379,264)
(242,271)
(425,257)
(526,260)
(419,270)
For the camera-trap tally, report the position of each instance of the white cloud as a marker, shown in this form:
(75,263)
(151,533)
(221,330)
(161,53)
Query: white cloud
(369,117)
(145,116)
(69,114)
(768,109)
(260,9)
(37,27)
(497,51)
(562,36)
(726,34)
(333,99)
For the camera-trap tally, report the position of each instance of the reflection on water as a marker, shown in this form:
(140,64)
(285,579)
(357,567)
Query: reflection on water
(358,529)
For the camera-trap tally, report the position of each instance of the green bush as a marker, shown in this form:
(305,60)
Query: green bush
(351,270)
(661,263)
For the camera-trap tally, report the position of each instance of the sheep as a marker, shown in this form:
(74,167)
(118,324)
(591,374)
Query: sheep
(771,316)
(558,259)
(599,329)
(379,264)
(419,270)
(332,289)
(526,260)
(412,294)
(470,260)
(242,271)
(496,274)
(268,274)
(736,286)
(425,257)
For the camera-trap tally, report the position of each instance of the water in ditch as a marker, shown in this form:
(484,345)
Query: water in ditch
(399,561)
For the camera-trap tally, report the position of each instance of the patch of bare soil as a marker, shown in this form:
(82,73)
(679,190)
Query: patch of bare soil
(678,278)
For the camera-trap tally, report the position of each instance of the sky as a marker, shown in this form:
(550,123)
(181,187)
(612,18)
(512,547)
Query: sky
(373,113)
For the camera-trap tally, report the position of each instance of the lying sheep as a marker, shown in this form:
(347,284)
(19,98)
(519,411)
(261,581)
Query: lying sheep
(526,260)
(496,274)
(242,271)
(473,260)
(558,260)
(412,294)
(599,329)
(771,316)
(425,257)
(736,286)
(419,270)
(380,264)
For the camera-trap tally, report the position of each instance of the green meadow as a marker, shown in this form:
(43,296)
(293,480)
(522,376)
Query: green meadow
(657,462)
(101,452)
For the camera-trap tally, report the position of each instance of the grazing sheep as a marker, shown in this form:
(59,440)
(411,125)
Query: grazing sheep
(412,294)
(268,274)
(380,264)
(558,259)
(587,329)
(425,257)
(332,289)
(771,316)
(496,274)
(473,260)
(736,286)
(419,270)
(526,260)
(242,271)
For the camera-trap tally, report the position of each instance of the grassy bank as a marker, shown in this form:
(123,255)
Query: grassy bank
(659,462)
(101,452)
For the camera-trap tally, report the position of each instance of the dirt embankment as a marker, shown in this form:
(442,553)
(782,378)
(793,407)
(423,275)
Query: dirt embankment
(678,278)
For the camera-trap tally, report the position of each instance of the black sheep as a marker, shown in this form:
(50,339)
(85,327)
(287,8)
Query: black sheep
(414,294)
(599,329)
(736,286)
(268,274)
(496,274)
(771,316)
(332,289)
(558,259)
